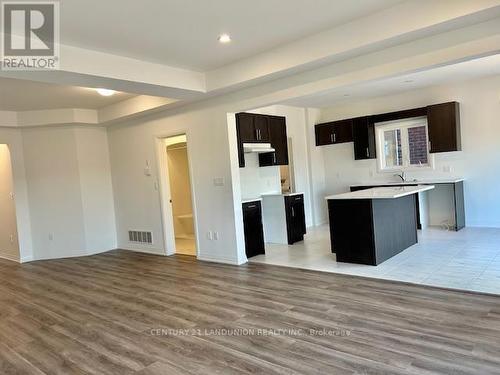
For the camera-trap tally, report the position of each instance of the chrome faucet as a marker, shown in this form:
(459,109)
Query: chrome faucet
(402,176)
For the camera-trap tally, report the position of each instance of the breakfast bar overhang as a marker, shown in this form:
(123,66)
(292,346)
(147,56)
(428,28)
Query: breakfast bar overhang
(370,226)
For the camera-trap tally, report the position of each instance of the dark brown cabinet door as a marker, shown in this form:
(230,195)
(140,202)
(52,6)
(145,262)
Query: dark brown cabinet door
(261,123)
(343,131)
(334,132)
(324,134)
(245,127)
(295,218)
(443,121)
(279,141)
(254,230)
(363,134)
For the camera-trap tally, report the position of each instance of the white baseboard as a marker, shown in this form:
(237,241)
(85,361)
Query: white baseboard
(79,254)
(12,259)
(218,260)
(27,259)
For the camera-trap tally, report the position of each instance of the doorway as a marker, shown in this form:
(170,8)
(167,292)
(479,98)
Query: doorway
(181,200)
(9,244)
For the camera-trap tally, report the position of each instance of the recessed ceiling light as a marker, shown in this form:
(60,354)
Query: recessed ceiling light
(409,81)
(224,38)
(105,92)
(346,95)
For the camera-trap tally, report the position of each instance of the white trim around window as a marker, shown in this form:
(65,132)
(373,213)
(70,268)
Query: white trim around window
(401,148)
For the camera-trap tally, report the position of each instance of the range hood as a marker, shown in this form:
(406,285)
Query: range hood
(258,148)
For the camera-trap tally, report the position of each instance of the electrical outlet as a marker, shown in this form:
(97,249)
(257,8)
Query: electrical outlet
(446,169)
(11,238)
(51,237)
(210,236)
(216,236)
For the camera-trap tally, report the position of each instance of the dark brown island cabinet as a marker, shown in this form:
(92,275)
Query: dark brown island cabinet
(257,128)
(253,228)
(443,121)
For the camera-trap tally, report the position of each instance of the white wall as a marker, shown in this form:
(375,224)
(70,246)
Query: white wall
(256,180)
(478,161)
(137,198)
(96,188)
(316,162)
(70,193)
(9,248)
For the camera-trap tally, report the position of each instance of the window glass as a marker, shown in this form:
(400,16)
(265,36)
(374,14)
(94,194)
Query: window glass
(403,145)
(392,148)
(417,144)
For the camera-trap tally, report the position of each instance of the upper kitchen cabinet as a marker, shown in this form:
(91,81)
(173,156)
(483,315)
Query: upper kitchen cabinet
(279,141)
(443,121)
(334,132)
(363,134)
(256,128)
(252,128)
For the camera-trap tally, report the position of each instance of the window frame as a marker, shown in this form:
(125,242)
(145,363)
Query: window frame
(403,125)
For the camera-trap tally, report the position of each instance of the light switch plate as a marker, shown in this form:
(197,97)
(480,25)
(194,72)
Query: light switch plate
(219,181)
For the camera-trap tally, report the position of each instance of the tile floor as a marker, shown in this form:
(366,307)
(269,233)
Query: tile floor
(468,259)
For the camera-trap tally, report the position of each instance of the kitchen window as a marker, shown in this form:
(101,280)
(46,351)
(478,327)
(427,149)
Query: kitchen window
(404,145)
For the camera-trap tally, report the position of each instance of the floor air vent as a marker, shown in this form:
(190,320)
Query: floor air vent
(140,237)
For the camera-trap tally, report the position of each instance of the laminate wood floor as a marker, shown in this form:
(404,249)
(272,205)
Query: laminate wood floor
(130,313)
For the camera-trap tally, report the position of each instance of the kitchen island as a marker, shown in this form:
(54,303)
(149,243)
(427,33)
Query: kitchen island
(370,226)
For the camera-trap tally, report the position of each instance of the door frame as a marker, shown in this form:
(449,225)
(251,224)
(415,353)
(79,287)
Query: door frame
(167,215)
(17,242)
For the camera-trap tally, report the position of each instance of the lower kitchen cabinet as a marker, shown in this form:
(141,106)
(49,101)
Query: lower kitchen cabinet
(284,216)
(254,230)
(295,218)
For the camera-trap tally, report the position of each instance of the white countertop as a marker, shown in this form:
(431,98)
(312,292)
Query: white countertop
(424,181)
(250,200)
(281,194)
(382,192)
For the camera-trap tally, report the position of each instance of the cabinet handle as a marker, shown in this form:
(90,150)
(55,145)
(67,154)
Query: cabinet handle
(331,138)
(367,152)
(274,158)
(334,137)
(252,206)
(293,212)
(430,146)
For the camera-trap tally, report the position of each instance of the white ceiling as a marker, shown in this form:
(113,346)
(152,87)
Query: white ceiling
(482,67)
(23,95)
(183,33)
